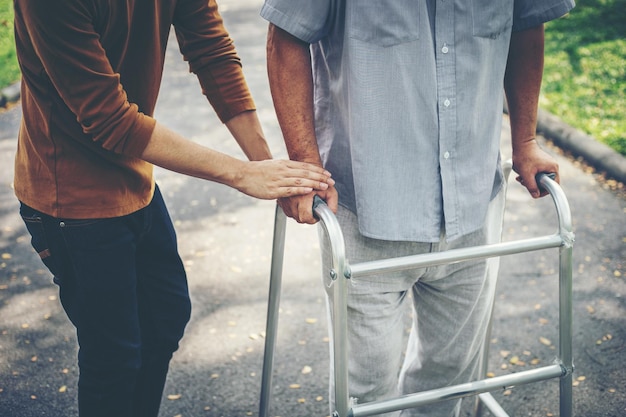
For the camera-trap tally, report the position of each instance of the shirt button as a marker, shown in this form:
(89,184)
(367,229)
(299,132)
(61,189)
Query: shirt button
(446,102)
(446,155)
(444,49)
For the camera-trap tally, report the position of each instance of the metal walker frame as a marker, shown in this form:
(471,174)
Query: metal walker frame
(562,367)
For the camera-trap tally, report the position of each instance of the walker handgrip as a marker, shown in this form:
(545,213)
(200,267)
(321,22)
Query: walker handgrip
(541,175)
(317,200)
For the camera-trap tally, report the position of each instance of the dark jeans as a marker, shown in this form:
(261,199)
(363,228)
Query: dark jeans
(123,285)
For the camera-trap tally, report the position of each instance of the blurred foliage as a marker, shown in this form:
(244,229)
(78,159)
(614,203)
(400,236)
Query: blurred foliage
(585,70)
(9,70)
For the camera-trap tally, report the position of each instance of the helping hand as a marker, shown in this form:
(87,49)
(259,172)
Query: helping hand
(272,178)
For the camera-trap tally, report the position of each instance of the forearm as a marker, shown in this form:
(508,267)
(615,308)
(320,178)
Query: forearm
(247,131)
(522,83)
(268,179)
(171,151)
(291,85)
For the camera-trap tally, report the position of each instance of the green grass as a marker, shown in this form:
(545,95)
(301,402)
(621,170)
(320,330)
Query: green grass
(585,70)
(9,70)
(584,76)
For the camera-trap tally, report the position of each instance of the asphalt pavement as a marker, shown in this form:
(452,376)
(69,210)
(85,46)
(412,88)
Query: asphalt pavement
(225,240)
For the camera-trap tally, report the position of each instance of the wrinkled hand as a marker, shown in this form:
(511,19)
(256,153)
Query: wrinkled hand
(273,178)
(300,208)
(528,161)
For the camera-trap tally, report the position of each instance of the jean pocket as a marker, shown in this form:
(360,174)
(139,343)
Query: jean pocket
(491,18)
(383,22)
(40,241)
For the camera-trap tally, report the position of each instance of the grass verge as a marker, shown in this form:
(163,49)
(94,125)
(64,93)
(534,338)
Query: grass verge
(585,70)
(9,70)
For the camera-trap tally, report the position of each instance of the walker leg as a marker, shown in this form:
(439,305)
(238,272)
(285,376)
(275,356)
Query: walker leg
(565,331)
(276,272)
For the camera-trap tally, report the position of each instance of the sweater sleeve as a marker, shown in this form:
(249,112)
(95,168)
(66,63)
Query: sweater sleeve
(65,41)
(211,55)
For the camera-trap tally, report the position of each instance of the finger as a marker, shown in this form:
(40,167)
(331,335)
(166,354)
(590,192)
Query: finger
(532,187)
(309,171)
(287,206)
(530,183)
(308,167)
(300,182)
(294,207)
(318,177)
(305,213)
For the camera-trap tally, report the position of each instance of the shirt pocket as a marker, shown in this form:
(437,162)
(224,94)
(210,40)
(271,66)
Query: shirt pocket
(383,22)
(491,18)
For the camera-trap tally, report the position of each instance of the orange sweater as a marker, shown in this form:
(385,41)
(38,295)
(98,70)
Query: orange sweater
(91,71)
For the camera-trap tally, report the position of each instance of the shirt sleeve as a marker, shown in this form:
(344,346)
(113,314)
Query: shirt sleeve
(531,13)
(206,45)
(307,20)
(65,41)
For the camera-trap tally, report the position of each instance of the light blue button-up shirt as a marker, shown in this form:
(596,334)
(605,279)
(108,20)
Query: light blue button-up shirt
(408,104)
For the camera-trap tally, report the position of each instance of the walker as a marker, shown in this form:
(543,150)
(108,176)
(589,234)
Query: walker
(341,271)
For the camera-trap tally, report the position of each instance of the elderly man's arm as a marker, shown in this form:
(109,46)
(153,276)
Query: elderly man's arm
(291,85)
(522,85)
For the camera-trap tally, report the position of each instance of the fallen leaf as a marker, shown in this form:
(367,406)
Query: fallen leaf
(174,397)
(311,321)
(6,256)
(294,386)
(63,389)
(307,370)
(301,400)
(545,341)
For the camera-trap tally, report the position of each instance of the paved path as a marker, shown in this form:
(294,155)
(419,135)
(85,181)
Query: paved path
(225,240)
